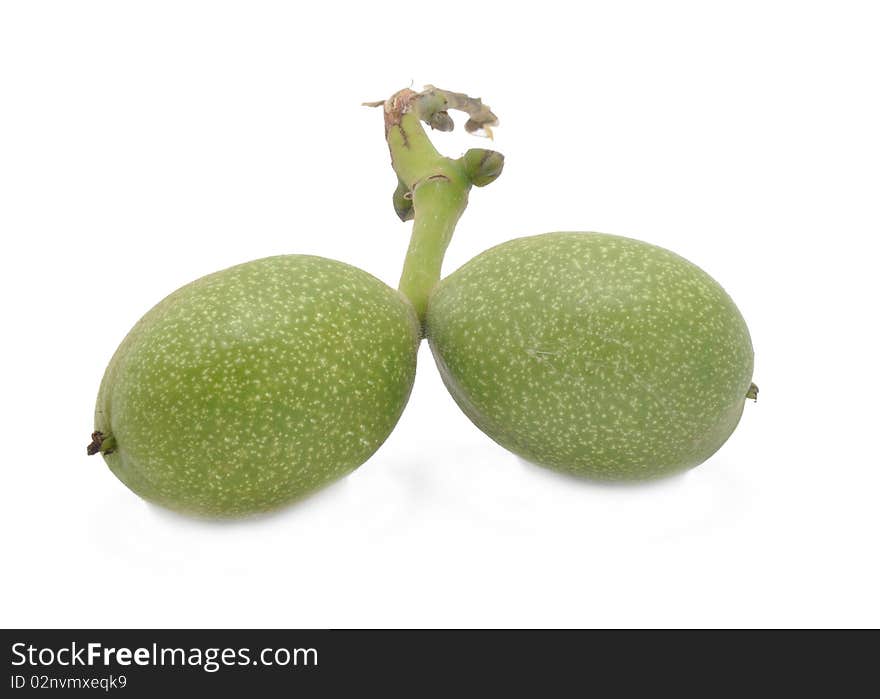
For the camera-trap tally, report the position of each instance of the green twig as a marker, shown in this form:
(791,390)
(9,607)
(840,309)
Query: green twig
(432,189)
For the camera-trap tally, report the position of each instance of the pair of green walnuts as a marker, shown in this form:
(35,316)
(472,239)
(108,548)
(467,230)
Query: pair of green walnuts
(592,354)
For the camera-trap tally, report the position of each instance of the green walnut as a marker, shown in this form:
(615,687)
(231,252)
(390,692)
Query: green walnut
(593,354)
(254,386)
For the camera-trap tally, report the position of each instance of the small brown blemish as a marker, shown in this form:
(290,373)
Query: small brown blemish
(395,107)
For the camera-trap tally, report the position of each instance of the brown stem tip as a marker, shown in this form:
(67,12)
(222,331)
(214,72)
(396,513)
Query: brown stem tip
(100,443)
(432,106)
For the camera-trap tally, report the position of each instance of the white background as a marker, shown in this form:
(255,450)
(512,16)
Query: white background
(145,144)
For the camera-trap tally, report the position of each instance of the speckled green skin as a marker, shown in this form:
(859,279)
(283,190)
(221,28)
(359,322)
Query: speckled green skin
(593,354)
(250,388)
